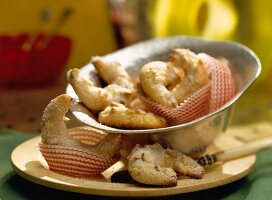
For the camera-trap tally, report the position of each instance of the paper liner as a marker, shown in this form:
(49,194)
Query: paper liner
(87,135)
(207,99)
(193,107)
(76,162)
(222,83)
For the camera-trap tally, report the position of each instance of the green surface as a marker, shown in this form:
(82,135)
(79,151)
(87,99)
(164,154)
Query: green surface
(8,141)
(257,185)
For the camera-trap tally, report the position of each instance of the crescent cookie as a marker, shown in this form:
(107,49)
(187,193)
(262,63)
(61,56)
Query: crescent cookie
(112,72)
(117,115)
(96,98)
(156,78)
(54,130)
(195,74)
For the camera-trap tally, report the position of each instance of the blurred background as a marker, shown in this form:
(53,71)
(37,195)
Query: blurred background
(41,40)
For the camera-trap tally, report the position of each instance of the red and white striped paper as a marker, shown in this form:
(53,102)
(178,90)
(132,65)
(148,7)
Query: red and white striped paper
(87,135)
(75,162)
(207,99)
(222,89)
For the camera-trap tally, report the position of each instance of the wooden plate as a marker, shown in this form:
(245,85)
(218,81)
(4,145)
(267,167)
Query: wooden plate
(28,163)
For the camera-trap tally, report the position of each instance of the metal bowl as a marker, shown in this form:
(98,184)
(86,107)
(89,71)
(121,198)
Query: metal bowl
(197,134)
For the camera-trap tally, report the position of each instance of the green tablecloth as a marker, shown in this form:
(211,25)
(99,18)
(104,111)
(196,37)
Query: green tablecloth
(257,185)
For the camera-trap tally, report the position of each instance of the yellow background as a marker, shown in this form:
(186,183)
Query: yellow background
(89,25)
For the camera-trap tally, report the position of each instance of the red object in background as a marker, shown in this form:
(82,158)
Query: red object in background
(41,64)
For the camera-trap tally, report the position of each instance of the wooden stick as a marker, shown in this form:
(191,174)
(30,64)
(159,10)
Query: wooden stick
(118,166)
(243,150)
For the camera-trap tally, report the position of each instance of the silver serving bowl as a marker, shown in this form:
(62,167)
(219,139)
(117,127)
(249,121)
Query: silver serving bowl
(197,134)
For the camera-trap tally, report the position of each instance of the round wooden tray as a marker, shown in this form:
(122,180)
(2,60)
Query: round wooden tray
(28,163)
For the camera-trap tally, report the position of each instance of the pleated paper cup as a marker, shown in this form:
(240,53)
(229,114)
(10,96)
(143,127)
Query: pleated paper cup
(87,135)
(193,107)
(222,83)
(76,162)
(207,99)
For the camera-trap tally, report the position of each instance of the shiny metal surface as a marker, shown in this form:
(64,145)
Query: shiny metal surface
(194,135)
